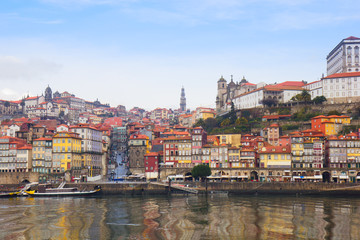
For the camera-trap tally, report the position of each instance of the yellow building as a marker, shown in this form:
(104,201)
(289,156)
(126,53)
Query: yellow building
(184,151)
(42,155)
(234,157)
(353,150)
(233,140)
(207,114)
(329,125)
(275,157)
(67,152)
(140,140)
(297,150)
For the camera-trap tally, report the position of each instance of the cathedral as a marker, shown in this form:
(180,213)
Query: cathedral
(227,92)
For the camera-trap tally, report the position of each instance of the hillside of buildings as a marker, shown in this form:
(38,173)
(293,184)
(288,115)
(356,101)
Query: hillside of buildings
(291,117)
(266,132)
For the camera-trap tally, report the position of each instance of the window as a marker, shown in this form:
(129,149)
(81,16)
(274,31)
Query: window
(349,50)
(356,49)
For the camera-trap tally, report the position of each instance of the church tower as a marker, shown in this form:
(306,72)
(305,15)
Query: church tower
(48,94)
(221,89)
(182,100)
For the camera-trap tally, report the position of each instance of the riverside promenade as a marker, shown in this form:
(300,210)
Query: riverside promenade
(236,188)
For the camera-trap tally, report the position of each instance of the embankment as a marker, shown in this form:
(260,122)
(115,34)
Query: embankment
(294,188)
(245,188)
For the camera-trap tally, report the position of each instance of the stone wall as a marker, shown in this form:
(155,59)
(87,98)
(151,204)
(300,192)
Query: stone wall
(18,177)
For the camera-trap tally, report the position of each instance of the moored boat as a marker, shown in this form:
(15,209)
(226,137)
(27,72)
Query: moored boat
(8,194)
(62,192)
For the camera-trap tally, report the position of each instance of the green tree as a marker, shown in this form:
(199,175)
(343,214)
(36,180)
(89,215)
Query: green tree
(246,114)
(210,124)
(225,123)
(232,114)
(304,96)
(61,114)
(269,102)
(241,121)
(201,171)
(200,123)
(22,104)
(334,112)
(319,99)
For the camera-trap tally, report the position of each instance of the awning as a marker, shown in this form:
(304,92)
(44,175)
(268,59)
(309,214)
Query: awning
(313,177)
(169,163)
(344,177)
(357,177)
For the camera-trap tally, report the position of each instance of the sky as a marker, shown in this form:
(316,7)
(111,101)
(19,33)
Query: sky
(141,52)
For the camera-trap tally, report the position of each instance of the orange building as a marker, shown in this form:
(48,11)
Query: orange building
(329,125)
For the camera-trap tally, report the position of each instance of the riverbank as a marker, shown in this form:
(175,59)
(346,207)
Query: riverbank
(293,188)
(236,188)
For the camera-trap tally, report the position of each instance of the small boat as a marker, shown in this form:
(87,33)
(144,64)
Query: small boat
(62,192)
(8,194)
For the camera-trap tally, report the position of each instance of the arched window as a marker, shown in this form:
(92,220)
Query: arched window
(356,49)
(349,59)
(349,50)
(356,59)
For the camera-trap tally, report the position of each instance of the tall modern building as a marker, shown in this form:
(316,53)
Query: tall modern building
(344,57)
(182,100)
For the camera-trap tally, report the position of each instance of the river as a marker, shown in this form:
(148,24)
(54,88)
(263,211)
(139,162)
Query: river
(180,217)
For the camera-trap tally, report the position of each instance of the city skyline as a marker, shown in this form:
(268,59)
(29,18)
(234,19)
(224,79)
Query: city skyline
(135,53)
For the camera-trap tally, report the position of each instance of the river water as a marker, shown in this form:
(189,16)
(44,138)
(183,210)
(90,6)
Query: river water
(180,217)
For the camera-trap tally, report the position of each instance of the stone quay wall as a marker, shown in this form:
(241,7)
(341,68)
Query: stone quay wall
(236,188)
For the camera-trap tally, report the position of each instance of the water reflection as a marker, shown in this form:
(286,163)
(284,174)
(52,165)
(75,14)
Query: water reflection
(193,217)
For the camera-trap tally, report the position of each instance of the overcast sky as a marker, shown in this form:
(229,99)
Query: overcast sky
(141,52)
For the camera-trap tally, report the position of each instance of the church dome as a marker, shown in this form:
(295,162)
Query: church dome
(243,80)
(48,94)
(222,79)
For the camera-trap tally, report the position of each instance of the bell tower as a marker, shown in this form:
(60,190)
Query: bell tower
(182,100)
(221,88)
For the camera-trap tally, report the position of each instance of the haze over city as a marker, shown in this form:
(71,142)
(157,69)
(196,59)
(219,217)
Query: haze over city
(140,53)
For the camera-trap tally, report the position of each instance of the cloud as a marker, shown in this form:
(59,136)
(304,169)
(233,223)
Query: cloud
(13,68)
(18,17)
(8,94)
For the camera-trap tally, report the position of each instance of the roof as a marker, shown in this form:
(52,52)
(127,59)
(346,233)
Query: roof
(341,75)
(291,83)
(43,139)
(352,38)
(320,116)
(150,154)
(25,147)
(276,149)
(140,136)
(275,116)
(312,82)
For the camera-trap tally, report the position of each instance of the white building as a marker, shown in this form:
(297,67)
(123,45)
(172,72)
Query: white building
(344,57)
(342,87)
(33,103)
(279,93)
(11,131)
(62,128)
(315,89)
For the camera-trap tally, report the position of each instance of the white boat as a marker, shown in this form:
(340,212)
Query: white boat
(62,192)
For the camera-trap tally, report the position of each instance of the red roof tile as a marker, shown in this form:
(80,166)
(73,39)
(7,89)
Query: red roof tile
(341,75)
